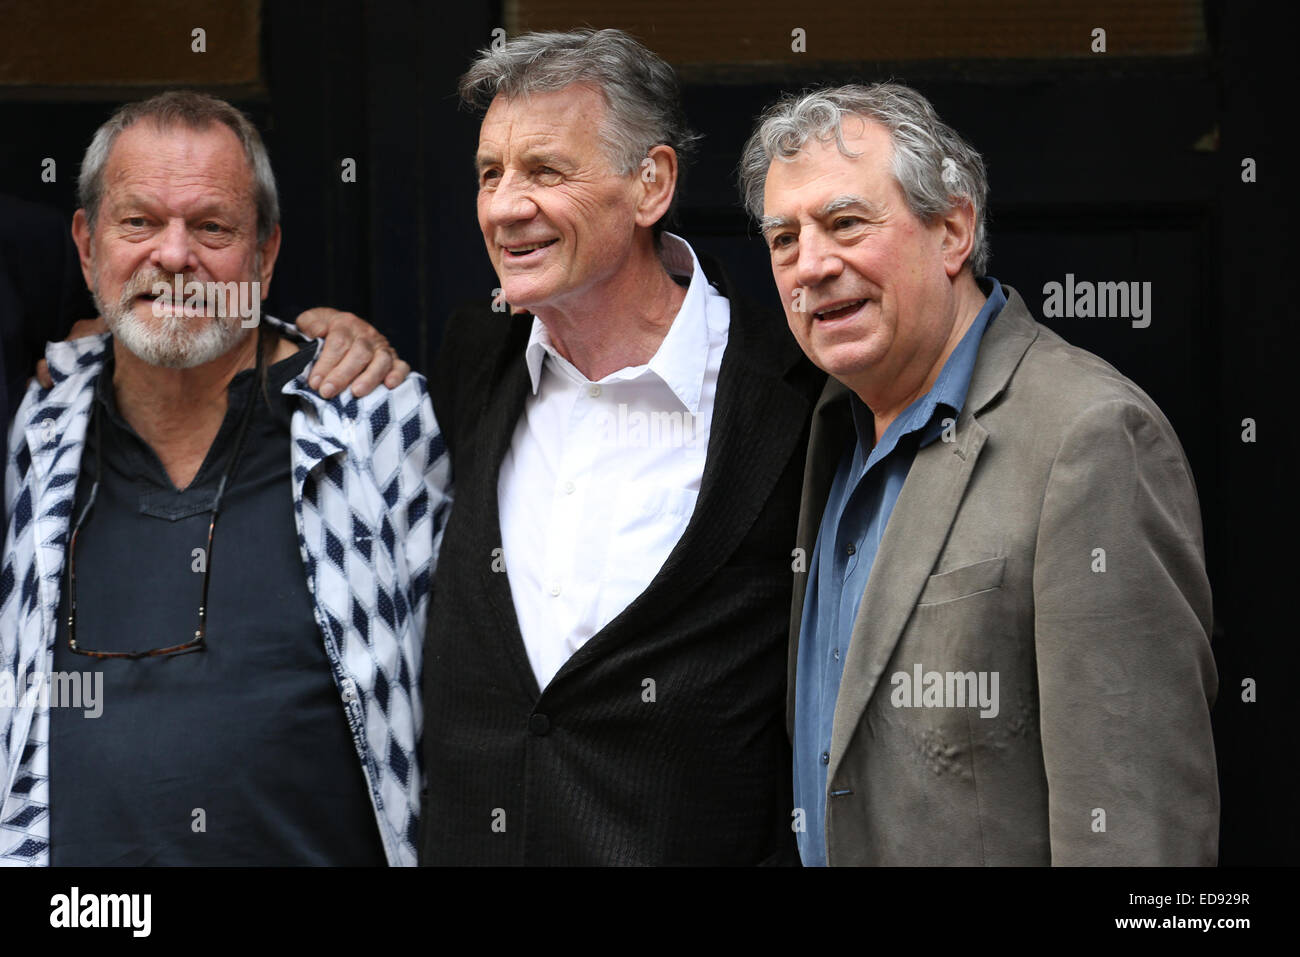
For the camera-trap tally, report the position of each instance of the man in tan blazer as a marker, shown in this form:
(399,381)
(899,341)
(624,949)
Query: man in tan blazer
(999,648)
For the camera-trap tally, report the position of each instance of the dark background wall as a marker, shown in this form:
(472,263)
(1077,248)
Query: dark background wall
(1123,166)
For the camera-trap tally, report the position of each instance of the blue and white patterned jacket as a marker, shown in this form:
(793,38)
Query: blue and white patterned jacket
(371,489)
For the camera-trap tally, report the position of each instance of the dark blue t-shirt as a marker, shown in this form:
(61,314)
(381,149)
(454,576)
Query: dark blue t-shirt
(237,755)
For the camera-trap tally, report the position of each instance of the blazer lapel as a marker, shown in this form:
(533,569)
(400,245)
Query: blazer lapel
(495,421)
(919,524)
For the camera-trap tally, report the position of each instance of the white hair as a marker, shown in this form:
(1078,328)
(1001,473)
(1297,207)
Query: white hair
(934,166)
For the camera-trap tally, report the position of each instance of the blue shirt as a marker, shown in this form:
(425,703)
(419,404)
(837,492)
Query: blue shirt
(862,497)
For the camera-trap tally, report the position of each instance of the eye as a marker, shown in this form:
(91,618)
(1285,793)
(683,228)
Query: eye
(548,175)
(847,222)
(135,222)
(213,228)
(781,241)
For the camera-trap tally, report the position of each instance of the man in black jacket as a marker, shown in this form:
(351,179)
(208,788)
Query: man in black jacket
(604,669)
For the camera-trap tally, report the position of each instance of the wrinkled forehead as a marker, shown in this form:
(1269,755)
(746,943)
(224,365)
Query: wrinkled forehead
(178,154)
(859,163)
(570,116)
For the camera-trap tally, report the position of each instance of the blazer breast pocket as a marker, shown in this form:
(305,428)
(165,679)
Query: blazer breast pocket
(962,582)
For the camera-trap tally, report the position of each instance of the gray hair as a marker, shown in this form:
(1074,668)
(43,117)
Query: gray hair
(194,110)
(641,93)
(932,163)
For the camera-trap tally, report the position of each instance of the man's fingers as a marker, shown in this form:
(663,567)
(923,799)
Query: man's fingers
(375,373)
(316,322)
(355,354)
(43,375)
(397,375)
(334,349)
(350,365)
(338,330)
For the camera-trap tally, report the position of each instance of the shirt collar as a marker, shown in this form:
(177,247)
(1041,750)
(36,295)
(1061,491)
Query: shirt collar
(949,389)
(681,360)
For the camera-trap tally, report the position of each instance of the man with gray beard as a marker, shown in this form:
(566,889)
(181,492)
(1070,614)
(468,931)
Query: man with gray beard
(242,563)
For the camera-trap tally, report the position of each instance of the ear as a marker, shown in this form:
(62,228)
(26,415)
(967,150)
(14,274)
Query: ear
(958,236)
(270,249)
(657,177)
(81,238)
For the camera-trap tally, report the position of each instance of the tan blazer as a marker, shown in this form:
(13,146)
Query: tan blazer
(1052,538)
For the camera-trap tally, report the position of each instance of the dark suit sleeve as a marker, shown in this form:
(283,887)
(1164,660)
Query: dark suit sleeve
(1122,624)
(443,379)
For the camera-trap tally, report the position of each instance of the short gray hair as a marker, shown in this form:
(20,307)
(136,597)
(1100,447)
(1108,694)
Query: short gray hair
(194,110)
(932,163)
(641,92)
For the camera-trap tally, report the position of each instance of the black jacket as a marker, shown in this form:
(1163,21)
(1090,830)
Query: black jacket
(586,771)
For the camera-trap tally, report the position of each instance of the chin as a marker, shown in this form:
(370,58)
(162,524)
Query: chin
(526,298)
(173,342)
(517,293)
(842,363)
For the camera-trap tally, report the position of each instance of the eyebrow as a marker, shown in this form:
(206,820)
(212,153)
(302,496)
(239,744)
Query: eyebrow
(829,208)
(208,207)
(531,157)
(547,158)
(847,201)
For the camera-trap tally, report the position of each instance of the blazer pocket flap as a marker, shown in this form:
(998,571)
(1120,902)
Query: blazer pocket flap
(961,582)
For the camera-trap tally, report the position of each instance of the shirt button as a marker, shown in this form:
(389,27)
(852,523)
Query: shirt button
(568,488)
(593,390)
(555,589)
(826,757)
(349,690)
(836,653)
(539,724)
(851,549)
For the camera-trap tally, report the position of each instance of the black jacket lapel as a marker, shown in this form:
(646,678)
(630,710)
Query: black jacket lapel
(493,429)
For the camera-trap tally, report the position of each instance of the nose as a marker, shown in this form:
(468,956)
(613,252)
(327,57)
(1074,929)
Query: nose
(818,258)
(173,252)
(510,201)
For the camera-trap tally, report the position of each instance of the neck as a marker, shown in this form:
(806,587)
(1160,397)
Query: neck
(178,412)
(619,324)
(889,394)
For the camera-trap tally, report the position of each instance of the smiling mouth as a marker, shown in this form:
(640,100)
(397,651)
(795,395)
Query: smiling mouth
(518,252)
(157,303)
(840,312)
(165,306)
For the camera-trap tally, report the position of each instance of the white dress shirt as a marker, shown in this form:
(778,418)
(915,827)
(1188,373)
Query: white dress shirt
(601,477)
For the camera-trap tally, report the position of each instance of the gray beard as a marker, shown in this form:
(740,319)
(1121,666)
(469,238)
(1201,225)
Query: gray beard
(171,342)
